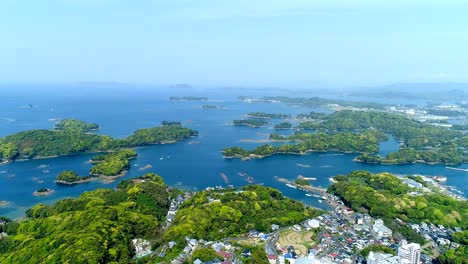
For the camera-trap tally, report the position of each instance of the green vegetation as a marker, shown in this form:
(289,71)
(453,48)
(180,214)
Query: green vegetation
(386,196)
(311,115)
(96,227)
(421,142)
(454,256)
(308,125)
(302,181)
(72,137)
(70,177)
(267,115)
(234,212)
(213,107)
(187,98)
(42,190)
(112,164)
(442,112)
(204,254)
(366,142)
(322,102)
(284,125)
(376,248)
(258,255)
(250,122)
(171,123)
(74,125)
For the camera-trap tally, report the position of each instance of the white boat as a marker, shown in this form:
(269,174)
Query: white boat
(308,194)
(291,186)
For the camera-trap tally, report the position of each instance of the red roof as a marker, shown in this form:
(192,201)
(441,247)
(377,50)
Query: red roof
(326,235)
(272,257)
(225,255)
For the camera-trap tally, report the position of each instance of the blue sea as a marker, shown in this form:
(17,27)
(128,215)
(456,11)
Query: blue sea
(193,164)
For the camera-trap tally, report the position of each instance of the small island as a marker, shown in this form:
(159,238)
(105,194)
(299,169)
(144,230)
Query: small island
(43,192)
(283,126)
(213,107)
(250,123)
(188,98)
(75,125)
(113,164)
(267,115)
(3,203)
(366,142)
(70,177)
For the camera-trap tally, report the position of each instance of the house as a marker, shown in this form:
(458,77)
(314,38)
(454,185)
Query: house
(380,229)
(246,253)
(253,233)
(274,227)
(198,261)
(272,259)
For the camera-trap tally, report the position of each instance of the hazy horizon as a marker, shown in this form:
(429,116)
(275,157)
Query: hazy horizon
(280,43)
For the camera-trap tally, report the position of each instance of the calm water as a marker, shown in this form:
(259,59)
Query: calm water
(184,165)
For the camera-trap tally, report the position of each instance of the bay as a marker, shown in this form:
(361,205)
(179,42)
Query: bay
(192,164)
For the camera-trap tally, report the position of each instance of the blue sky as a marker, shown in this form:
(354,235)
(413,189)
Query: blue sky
(243,42)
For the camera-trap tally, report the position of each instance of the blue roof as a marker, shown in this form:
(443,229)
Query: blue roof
(287,255)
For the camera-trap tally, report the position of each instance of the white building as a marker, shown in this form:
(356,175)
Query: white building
(410,252)
(382,258)
(380,229)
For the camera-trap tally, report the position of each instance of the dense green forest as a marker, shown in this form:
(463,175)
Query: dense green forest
(420,142)
(267,115)
(70,177)
(250,122)
(311,115)
(75,125)
(366,142)
(283,125)
(112,164)
(72,136)
(386,196)
(234,212)
(96,227)
(322,102)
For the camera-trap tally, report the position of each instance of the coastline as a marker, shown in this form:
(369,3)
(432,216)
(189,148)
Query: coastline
(255,156)
(49,191)
(74,182)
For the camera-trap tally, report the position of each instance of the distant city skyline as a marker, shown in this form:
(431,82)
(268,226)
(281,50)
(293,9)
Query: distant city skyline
(281,43)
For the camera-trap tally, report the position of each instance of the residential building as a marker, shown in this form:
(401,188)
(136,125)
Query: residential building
(410,252)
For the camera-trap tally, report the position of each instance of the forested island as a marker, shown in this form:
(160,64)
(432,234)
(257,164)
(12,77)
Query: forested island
(213,107)
(267,115)
(71,177)
(188,98)
(43,192)
(419,142)
(318,102)
(112,164)
(283,125)
(250,122)
(72,136)
(365,142)
(98,226)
